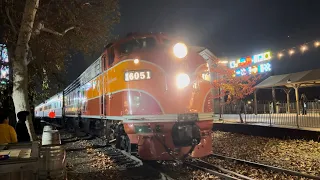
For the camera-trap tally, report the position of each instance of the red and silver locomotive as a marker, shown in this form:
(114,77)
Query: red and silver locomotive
(153,89)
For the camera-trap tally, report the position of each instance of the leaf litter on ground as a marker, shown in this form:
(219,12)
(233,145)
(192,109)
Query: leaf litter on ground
(297,155)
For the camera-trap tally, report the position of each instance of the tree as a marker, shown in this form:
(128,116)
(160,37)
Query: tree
(43,40)
(236,88)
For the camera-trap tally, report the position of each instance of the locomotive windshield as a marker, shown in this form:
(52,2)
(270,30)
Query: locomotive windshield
(137,44)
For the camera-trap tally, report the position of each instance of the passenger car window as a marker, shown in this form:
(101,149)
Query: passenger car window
(136,44)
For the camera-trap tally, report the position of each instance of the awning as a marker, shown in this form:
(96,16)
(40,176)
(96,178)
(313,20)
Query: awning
(303,79)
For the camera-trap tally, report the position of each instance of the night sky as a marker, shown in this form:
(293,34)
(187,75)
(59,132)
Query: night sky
(229,28)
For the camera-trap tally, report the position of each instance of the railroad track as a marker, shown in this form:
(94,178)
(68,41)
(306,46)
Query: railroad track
(133,166)
(215,170)
(228,174)
(268,167)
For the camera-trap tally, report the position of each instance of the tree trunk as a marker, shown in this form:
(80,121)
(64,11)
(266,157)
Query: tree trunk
(19,65)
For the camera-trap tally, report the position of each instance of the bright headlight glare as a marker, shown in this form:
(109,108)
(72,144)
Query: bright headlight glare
(180,50)
(182,80)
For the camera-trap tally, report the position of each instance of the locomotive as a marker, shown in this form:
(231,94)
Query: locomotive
(150,92)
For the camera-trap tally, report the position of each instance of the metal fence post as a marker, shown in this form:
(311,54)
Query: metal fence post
(297,120)
(269,118)
(245,113)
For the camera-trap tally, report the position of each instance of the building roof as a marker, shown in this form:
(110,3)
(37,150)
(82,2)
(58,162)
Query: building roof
(303,79)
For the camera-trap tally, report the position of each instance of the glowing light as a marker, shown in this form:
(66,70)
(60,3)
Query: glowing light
(262,57)
(233,64)
(223,62)
(182,80)
(242,62)
(280,55)
(291,52)
(52,114)
(136,61)
(317,44)
(180,50)
(303,48)
(4,67)
(262,68)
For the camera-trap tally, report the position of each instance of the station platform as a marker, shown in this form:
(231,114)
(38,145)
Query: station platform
(309,122)
(267,130)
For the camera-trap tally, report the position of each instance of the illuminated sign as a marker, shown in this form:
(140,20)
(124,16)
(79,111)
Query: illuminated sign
(4,67)
(246,61)
(261,68)
(137,75)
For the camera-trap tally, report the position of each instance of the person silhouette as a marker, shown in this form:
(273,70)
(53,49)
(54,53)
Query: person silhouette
(21,128)
(304,103)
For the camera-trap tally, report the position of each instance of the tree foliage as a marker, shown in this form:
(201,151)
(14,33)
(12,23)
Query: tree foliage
(61,27)
(236,88)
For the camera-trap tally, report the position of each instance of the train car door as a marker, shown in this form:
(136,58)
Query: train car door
(104,65)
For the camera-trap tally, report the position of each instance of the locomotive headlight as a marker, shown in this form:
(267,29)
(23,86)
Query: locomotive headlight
(180,50)
(182,80)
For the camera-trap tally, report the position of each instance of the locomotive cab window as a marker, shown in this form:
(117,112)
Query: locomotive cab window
(137,44)
(110,55)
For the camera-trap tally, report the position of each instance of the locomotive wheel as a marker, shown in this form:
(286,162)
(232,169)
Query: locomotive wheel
(125,143)
(122,139)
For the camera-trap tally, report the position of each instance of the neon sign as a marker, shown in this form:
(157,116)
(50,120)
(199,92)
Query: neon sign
(4,67)
(261,68)
(246,61)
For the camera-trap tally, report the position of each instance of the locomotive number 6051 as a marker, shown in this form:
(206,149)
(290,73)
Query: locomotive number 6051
(137,75)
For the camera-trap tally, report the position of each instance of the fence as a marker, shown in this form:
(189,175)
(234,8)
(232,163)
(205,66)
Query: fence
(266,114)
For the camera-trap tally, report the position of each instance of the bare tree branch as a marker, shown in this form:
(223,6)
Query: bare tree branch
(57,33)
(40,27)
(11,22)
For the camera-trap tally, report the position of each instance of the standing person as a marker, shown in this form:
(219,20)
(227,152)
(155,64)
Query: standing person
(21,128)
(242,110)
(303,101)
(7,132)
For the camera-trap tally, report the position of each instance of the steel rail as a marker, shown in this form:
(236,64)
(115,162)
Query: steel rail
(209,165)
(265,166)
(210,171)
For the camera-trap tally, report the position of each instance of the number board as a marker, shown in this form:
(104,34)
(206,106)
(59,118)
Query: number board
(137,75)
